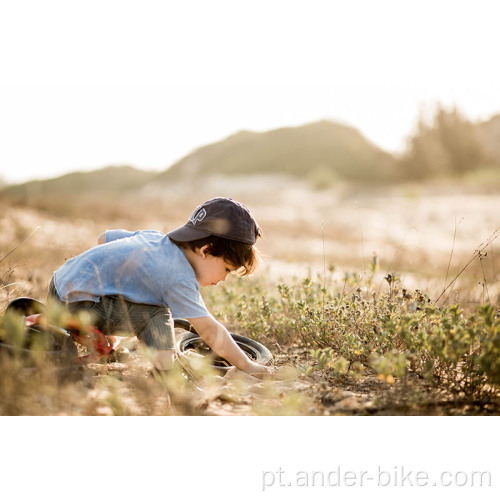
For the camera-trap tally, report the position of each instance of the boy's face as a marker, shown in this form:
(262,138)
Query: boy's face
(210,270)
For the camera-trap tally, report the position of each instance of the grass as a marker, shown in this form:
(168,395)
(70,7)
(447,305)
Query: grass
(399,337)
(352,332)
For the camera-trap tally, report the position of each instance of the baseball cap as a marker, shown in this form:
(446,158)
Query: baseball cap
(222,217)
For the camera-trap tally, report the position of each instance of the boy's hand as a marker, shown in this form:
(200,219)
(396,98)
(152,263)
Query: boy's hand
(221,342)
(259,371)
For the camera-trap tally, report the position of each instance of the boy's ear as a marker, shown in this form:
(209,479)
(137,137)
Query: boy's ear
(204,250)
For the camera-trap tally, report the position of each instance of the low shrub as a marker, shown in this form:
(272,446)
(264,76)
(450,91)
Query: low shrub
(395,334)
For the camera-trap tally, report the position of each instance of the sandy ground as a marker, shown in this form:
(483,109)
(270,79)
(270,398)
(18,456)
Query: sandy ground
(426,237)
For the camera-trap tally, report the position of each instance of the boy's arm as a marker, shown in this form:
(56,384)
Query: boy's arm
(101,238)
(220,341)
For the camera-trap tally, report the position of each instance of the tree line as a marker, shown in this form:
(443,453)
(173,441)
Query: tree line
(445,146)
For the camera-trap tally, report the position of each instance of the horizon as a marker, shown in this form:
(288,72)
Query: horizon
(51,174)
(148,96)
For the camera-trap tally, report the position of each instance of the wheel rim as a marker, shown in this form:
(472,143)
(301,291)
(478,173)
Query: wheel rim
(199,346)
(188,341)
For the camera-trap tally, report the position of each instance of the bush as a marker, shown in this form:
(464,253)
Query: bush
(396,334)
(448,146)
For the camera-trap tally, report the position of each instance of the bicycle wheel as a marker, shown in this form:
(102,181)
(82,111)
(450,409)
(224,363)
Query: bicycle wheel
(26,306)
(187,339)
(53,341)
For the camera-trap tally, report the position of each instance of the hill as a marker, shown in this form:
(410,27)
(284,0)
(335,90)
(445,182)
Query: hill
(322,148)
(105,180)
(319,153)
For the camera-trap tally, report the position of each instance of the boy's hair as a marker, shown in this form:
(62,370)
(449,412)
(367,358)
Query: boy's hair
(243,256)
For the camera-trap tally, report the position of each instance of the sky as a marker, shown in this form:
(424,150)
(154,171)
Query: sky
(90,84)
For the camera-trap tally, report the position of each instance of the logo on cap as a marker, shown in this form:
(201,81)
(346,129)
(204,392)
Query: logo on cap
(197,216)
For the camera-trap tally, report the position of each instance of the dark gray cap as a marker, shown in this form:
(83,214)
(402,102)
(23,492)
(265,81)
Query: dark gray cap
(222,217)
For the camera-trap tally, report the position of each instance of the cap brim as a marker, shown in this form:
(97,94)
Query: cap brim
(187,233)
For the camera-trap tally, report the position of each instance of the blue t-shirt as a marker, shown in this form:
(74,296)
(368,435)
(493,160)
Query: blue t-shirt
(143,267)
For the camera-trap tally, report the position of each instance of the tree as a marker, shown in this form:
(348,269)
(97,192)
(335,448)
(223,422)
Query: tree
(449,146)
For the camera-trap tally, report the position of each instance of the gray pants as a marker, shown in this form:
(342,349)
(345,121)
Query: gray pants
(152,324)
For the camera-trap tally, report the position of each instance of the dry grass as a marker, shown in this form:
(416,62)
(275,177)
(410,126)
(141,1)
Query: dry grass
(424,236)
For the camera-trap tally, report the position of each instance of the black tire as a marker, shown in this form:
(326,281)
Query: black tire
(26,306)
(53,341)
(188,339)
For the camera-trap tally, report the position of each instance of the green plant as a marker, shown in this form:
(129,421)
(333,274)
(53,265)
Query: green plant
(397,334)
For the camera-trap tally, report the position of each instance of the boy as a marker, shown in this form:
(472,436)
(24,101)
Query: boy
(140,281)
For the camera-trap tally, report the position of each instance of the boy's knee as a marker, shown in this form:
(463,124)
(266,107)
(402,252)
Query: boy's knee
(164,359)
